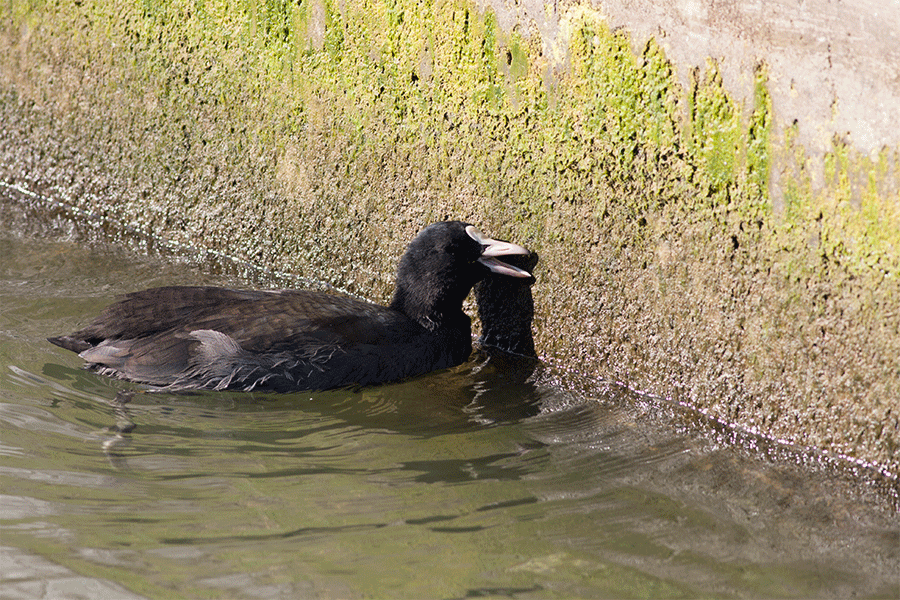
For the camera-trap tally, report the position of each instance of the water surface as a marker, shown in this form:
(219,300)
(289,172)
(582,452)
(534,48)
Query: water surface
(494,479)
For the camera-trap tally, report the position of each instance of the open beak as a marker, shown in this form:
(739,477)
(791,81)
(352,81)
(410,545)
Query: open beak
(494,248)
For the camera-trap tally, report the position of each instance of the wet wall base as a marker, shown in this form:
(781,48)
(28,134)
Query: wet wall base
(318,137)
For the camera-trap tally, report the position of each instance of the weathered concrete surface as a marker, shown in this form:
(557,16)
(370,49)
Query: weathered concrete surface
(696,241)
(834,65)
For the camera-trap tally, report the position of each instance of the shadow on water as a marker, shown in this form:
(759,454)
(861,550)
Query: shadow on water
(614,430)
(493,389)
(670,487)
(503,477)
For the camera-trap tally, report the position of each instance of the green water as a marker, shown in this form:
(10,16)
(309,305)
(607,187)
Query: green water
(488,480)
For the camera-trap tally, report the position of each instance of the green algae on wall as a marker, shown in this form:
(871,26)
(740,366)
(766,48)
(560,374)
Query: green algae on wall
(854,212)
(686,249)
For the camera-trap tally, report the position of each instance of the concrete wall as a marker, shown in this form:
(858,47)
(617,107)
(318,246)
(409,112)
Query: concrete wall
(714,188)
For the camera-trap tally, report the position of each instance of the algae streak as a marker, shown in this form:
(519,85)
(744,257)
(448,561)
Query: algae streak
(687,250)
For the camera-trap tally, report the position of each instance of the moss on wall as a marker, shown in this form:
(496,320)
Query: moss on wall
(687,250)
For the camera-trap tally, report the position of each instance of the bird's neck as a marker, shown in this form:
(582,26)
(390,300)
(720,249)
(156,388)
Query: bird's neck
(431,313)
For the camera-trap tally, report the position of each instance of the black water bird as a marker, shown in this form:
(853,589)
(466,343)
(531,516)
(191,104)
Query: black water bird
(507,363)
(506,309)
(185,338)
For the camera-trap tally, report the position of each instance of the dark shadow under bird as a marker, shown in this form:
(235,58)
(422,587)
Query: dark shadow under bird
(185,338)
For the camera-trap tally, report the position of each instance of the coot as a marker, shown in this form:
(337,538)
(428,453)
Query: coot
(506,309)
(183,338)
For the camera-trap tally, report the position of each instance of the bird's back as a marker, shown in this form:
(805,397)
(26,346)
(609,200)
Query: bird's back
(203,337)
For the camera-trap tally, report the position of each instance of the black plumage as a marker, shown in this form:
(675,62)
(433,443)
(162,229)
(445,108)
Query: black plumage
(506,308)
(181,338)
